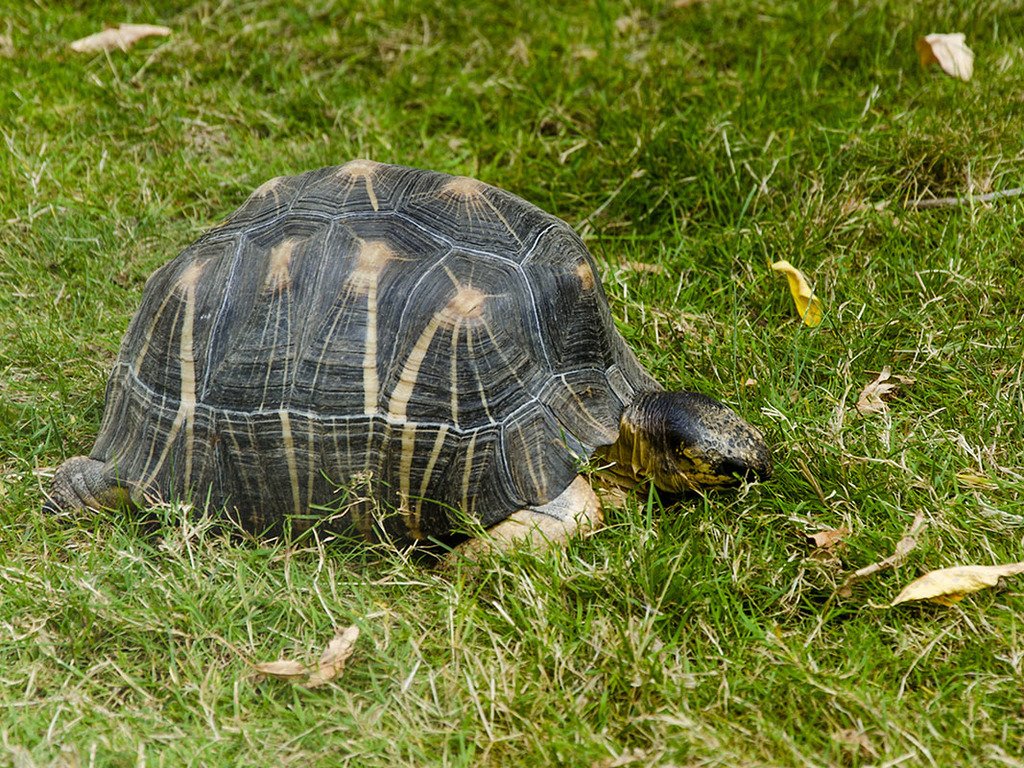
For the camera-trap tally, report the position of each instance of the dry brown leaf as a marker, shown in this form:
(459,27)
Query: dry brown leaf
(871,398)
(333,659)
(949,585)
(808,306)
(949,51)
(828,539)
(282,669)
(123,36)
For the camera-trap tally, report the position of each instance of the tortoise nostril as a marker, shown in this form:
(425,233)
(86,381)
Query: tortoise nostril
(746,471)
(733,468)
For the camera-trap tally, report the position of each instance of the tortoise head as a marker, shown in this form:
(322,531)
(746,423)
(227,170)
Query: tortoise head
(685,441)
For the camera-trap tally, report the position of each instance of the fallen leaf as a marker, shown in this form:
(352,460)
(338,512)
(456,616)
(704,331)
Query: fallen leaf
(949,51)
(123,36)
(949,585)
(871,398)
(808,306)
(333,659)
(282,669)
(828,539)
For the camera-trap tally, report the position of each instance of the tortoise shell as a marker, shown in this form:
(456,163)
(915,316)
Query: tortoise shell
(382,346)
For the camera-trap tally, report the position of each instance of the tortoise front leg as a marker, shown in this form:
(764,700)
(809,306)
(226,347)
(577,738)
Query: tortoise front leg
(577,510)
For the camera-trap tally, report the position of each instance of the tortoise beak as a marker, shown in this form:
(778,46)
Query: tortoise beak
(754,467)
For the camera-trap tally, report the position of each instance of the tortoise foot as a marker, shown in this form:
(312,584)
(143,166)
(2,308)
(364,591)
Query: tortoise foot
(83,483)
(577,510)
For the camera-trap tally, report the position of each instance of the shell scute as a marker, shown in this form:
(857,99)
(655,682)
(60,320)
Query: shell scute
(268,202)
(471,214)
(467,340)
(539,459)
(360,187)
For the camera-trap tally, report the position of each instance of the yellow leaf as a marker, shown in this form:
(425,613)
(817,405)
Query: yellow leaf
(282,669)
(333,659)
(808,306)
(950,52)
(948,585)
(123,36)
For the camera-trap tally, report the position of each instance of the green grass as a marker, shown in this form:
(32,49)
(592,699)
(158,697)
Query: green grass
(709,140)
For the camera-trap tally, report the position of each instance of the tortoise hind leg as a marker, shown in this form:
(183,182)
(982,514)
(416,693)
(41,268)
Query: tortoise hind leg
(84,483)
(577,510)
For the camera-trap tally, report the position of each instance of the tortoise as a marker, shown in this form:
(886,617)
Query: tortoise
(401,353)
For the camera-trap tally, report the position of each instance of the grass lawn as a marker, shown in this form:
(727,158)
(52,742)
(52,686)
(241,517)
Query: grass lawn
(706,140)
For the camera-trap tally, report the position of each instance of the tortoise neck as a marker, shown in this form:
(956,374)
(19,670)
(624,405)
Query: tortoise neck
(627,461)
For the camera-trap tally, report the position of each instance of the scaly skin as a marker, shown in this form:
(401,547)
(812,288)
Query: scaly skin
(84,483)
(684,441)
